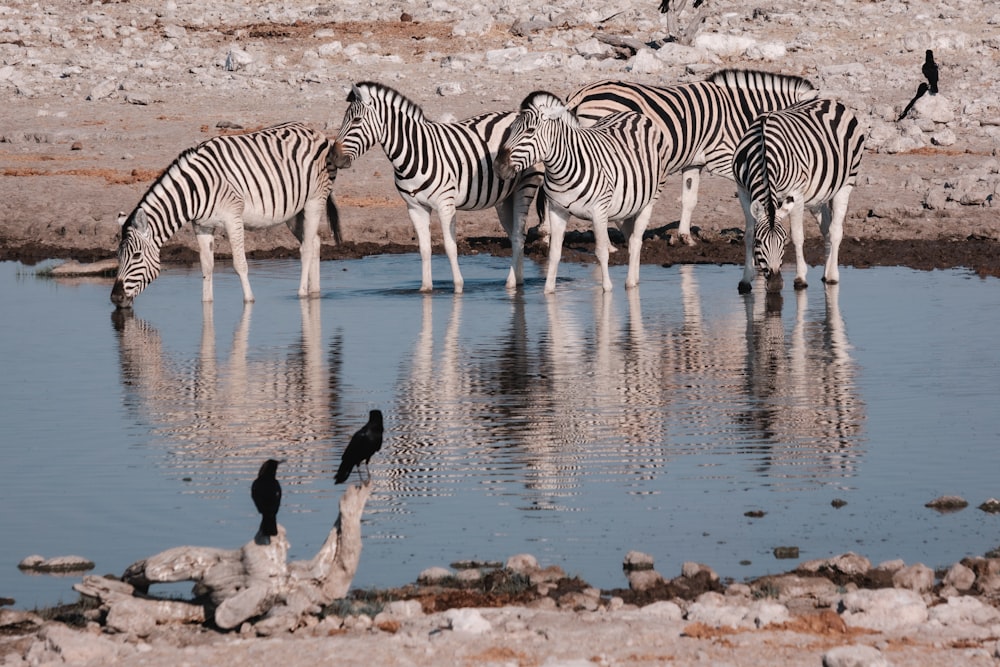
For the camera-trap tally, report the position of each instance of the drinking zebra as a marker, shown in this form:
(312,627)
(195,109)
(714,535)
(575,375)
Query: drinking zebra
(236,182)
(703,120)
(610,172)
(804,156)
(443,167)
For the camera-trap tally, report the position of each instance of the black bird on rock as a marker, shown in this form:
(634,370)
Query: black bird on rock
(930,70)
(266,494)
(362,447)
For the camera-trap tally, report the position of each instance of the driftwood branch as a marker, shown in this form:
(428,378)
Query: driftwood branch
(254,581)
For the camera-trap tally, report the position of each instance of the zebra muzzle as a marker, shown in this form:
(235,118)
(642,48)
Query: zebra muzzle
(502,165)
(340,160)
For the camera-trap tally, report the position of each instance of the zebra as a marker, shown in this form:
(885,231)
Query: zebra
(703,120)
(237,182)
(806,155)
(612,171)
(439,166)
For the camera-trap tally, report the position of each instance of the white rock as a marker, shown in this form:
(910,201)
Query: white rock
(665,609)
(964,610)
(917,577)
(103,89)
(724,45)
(644,62)
(522,564)
(450,88)
(854,656)
(960,577)
(883,609)
(434,575)
(467,620)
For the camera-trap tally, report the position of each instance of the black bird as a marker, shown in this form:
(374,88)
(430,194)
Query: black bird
(266,494)
(362,447)
(921,89)
(930,70)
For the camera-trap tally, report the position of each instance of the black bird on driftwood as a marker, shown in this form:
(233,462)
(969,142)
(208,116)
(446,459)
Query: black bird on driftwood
(362,447)
(266,494)
(930,70)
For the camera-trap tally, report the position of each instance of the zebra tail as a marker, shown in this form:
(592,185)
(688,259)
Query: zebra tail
(334,217)
(331,204)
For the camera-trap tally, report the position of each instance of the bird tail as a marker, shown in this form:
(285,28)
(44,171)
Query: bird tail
(269,525)
(343,473)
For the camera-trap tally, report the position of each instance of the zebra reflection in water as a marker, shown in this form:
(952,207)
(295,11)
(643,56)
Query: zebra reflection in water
(803,400)
(214,414)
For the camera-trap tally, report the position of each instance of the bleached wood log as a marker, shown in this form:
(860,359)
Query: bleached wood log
(255,580)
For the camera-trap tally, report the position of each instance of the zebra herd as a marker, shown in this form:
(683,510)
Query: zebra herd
(602,155)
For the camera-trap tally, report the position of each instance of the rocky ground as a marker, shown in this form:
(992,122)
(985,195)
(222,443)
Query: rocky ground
(100,97)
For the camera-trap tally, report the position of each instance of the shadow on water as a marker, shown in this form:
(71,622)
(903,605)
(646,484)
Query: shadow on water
(575,426)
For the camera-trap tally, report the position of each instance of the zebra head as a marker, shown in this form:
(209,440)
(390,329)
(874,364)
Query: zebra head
(529,138)
(361,124)
(138,259)
(769,241)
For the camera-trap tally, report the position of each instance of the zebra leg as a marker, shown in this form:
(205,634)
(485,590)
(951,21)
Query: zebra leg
(749,269)
(690,178)
(309,246)
(798,240)
(638,229)
(420,216)
(834,233)
(234,229)
(505,211)
(556,218)
(206,253)
(603,243)
(446,214)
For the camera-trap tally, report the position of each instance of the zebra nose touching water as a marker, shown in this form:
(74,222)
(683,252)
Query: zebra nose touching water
(612,171)
(804,156)
(236,182)
(442,167)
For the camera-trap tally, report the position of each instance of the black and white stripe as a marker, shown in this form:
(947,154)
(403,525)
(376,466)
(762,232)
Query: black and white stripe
(805,156)
(439,166)
(703,120)
(610,172)
(236,182)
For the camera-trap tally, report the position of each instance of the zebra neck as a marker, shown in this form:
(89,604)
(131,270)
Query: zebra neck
(402,138)
(169,204)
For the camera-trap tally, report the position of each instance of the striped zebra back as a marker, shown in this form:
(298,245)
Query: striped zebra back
(811,149)
(702,119)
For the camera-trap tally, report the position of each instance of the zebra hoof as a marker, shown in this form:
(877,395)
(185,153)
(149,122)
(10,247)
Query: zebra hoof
(800,284)
(745,287)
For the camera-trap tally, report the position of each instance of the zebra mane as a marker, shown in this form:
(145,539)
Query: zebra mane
(764,176)
(164,175)
(749,79)
(542,100)
(391,96)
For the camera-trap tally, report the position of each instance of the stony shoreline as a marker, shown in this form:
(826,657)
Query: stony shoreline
(835,612)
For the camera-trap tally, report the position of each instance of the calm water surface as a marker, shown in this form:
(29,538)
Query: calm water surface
(575,426)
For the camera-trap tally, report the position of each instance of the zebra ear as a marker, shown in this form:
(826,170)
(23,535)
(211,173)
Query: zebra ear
(140,223)
(756,210)
(361,94)
(122,218)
